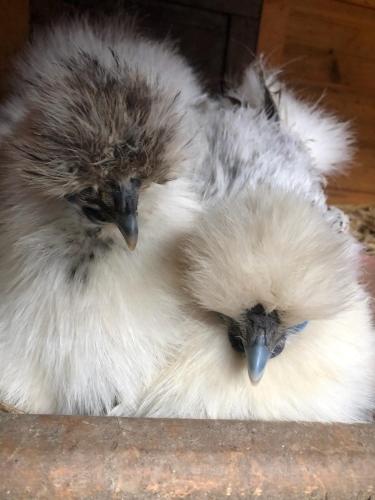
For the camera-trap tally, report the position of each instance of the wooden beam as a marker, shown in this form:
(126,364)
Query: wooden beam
(78,457)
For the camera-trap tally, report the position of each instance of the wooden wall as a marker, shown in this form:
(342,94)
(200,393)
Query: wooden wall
(14,30)
(328,49)
(218,37)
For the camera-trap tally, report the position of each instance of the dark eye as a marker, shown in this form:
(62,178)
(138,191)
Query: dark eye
(106,198)
(234,335)
(279,347)
(163,181)
(136,182)
(94,215)
(233,100)
(117,152)
(87,193)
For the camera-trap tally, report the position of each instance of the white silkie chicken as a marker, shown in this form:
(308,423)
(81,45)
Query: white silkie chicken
(99,117)
(280,326)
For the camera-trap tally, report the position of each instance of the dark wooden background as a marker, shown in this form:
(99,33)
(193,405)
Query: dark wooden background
(218,37)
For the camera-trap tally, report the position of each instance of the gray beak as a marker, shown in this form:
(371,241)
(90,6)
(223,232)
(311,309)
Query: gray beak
(257,354)
(128,226)
(126,202)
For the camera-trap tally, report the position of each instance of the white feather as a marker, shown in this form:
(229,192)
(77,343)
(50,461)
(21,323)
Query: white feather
(271,248)
(80,346)
(329,140)
(265,236)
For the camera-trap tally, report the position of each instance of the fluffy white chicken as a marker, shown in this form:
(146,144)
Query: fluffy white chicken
(280,326)
(99,117)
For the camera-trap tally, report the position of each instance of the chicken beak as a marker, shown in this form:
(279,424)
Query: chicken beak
(257,354)
(128,226)
(126,202)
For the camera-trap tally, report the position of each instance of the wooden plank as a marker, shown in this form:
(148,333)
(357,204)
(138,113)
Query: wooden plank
(332,42)
(341,197)
(346,104)
(339,12)
(368,265)
(14,30)
(360,110)
(326,29)
(201,35)
(328,48)
(247,8)
(242,43)
(327,66)
(43,12)
(55,457)
(362,177)
(370,4)
(272,32)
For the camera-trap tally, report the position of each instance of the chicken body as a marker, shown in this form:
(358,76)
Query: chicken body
(99,117)
(271,275)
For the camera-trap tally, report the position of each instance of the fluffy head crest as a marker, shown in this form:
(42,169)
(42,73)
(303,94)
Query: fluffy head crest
(96,108)
(273,249)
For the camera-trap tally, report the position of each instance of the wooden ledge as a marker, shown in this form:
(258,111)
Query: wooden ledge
(77,457)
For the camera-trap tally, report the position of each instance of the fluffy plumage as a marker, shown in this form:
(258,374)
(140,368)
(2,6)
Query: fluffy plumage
(284,256)
(265,246)
(295,149)
(328,140)
(96,110)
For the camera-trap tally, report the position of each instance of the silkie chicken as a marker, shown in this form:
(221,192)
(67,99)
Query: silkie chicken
(94,141)
(280,326)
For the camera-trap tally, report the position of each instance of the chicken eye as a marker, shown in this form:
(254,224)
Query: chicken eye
(136,182)
(89,191)
(279,347)
(87,194)
(106,198)
(165,180)
(234,335)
